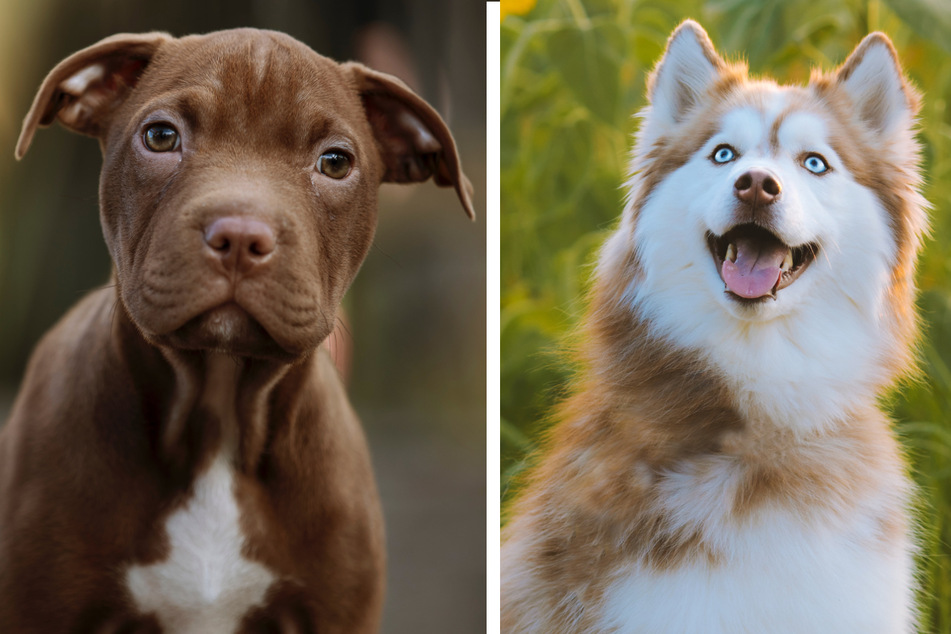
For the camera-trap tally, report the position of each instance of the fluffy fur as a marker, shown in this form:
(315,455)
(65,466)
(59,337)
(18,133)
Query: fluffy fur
(722,465)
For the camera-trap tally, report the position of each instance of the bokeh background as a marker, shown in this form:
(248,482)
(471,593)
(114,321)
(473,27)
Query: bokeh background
(572,74)
(416,311)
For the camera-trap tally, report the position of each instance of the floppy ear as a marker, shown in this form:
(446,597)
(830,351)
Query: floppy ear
(86,87)
(414,141)
(873,79)
(688,68)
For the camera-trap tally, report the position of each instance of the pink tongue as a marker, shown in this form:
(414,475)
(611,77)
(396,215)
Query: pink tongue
(756,270)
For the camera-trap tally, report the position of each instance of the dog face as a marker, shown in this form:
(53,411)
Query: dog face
(775,228)
(771,218)
(764,201)
(238,190)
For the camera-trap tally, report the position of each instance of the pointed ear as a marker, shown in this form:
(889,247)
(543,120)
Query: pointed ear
(873,80)
(414,141)
(85,88)
(688,68)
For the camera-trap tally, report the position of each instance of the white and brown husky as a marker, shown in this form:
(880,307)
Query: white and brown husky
(722,466)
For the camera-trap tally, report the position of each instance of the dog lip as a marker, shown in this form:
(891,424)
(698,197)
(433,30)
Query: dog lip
(229,328)
(802,256)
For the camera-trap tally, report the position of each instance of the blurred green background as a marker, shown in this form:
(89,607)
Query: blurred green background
(573,74)
(416,311)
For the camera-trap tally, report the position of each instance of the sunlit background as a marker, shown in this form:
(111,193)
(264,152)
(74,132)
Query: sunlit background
(417,309)
(573,73)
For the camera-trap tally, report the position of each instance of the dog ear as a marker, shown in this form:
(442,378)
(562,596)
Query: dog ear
(84,89)
(873,79)
(414,141)
(685,72)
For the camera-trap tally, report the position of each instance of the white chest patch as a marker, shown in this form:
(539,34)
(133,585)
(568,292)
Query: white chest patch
(205,585)
(782,577)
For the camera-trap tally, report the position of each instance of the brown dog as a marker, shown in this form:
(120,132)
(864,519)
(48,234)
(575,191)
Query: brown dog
(181,456)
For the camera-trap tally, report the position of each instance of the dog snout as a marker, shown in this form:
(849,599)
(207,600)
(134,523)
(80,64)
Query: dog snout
(757,187)
(240,243)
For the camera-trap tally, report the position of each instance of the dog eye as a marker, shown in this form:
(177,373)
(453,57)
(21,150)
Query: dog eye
(334,164)
(723,154)
(161,137)
(815,164)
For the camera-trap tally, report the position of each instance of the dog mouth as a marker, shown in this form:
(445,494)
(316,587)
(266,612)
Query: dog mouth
(755,264)
(229,329)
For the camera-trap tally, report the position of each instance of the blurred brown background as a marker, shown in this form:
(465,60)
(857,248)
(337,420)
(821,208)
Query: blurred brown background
(417,310)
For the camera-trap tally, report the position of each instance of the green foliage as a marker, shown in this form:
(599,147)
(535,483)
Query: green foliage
(573,75)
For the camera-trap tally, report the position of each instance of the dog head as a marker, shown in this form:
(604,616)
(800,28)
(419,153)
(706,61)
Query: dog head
(776,194)
(775,228)
(239,184)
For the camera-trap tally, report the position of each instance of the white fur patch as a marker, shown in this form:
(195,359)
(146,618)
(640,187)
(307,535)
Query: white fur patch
(778,570)
(205,585)
(79,83)
(784,576)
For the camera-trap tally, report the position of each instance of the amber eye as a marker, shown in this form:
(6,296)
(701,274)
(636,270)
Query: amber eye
(161,137)
(334,164)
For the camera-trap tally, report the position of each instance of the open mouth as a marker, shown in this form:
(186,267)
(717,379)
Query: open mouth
(754,264)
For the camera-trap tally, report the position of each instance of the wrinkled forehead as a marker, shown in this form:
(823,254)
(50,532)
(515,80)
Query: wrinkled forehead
(772,118)
(252,81)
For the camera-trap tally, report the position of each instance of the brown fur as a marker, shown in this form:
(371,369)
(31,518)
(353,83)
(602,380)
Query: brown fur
(120,409)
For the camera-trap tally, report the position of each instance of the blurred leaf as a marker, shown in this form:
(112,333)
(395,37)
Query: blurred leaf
(588,61)
(931,19)
(512,435)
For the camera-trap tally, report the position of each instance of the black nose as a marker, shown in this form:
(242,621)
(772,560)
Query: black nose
(757,187)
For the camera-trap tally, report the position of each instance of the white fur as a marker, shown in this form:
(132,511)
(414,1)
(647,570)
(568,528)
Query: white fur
(783,578)
(781,571)
(205,584)
(80,82)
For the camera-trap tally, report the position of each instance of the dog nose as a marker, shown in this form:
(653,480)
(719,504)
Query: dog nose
(239,242)
(757,187)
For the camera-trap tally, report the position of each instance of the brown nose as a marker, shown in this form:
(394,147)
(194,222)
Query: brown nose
(757,187)
(240,243)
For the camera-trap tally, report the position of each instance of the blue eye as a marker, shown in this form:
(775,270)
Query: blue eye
(723,154)
(815,164)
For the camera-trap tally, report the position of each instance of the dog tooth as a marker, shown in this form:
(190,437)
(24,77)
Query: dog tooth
(787,262)
(731,252)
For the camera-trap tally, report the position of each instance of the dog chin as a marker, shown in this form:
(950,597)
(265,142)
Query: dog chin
(231,330)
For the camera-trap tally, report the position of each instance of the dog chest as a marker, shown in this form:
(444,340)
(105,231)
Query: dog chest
(205,584)
(780,575)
